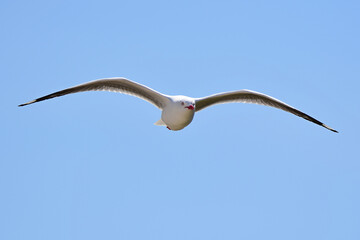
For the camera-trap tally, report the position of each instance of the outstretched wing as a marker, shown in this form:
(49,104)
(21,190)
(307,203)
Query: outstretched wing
(121,85)
(247,96)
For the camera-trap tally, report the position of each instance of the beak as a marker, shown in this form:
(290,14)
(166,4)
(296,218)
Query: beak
(190,107)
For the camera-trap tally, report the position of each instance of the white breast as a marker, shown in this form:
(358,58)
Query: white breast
(176,116)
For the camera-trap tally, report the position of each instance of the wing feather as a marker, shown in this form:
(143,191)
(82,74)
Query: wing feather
(247,96)
(120,85)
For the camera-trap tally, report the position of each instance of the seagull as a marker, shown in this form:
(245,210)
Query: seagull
(178,111)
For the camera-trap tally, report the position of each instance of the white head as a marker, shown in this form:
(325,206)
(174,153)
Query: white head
(184,102)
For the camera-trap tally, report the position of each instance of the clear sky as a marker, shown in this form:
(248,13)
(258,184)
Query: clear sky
(93,165)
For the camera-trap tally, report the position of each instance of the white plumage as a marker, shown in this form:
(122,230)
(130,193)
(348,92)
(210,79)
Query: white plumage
(177,111)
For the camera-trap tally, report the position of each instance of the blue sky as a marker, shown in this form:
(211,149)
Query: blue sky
(93,165)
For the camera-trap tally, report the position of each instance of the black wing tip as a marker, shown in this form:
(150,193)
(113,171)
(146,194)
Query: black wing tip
(24,104)
(331,129)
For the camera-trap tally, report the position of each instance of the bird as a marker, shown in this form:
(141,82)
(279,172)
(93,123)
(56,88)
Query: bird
(178,111)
